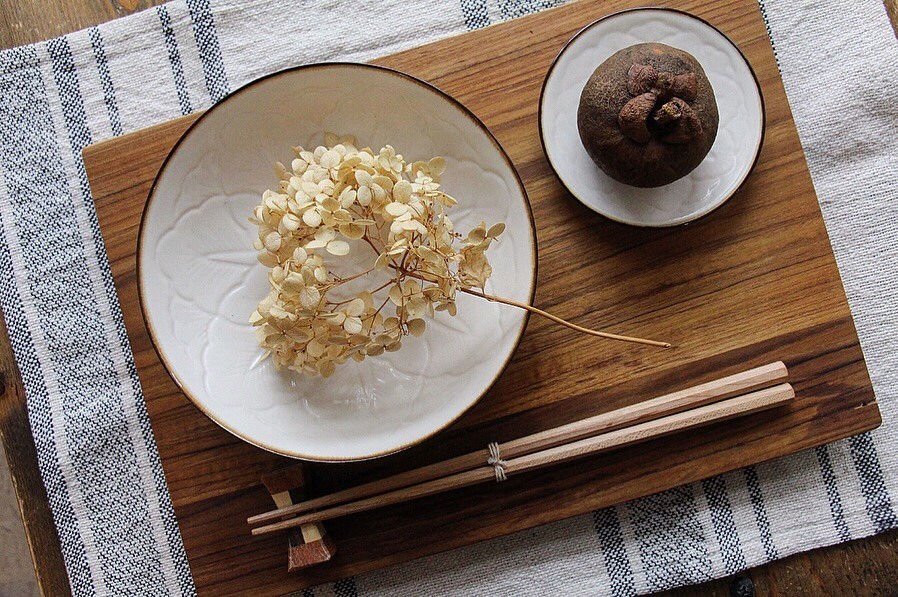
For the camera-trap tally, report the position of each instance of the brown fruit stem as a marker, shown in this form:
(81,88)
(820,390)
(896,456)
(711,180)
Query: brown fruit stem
(652,87)
(633,117)
(686,127)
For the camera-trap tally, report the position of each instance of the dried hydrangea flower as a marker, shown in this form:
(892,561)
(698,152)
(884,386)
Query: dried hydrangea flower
(336,199)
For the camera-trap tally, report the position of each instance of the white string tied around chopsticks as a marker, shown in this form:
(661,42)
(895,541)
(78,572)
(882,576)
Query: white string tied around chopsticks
(495,461)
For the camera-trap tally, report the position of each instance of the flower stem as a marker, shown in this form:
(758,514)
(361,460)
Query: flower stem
(573,326)
(338,281)
(547,315)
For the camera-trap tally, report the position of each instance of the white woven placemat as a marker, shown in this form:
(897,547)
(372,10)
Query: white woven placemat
(97,454)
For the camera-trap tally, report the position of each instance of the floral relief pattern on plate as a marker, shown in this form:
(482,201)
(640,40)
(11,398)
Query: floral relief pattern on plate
(725,167)
(200,280)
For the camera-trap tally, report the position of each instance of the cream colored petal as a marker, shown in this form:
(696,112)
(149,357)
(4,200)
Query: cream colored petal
(325,234)
(268,259)
(347,197)
(402,191)
(382,261)
(364,196)
(312,218)
(396,209)
(363,178)
(309,296)
(329,203)
(338,247)
(352,325)
(355,307)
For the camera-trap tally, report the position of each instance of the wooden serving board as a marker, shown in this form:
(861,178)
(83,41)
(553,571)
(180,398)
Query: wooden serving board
(753,282)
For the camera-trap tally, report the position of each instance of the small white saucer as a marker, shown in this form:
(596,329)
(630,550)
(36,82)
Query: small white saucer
(726,166)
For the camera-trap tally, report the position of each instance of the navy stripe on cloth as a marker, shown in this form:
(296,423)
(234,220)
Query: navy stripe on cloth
(769,32)
(28,149)
(96,41)
(671,538)
(345,587)
(76,121)
(210,52)
(617,563)
(103,395)
(90,385)
(174,59)
(724,524)
(876,497)
(512,9)
(757,504)
(832,492)
(476,14)
(172,533)
(878,504)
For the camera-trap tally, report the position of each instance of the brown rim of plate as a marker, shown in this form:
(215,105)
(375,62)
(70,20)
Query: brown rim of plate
(440,93)
(539,114)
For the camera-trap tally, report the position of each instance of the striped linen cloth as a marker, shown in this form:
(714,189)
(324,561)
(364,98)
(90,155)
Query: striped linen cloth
(97,453)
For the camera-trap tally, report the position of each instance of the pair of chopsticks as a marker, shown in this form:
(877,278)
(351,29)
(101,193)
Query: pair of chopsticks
(737,395)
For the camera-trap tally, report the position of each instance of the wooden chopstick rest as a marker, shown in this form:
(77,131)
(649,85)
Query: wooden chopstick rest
(309,544)
(720,389)
(652,429)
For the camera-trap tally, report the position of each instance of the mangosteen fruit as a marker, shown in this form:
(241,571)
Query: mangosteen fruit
(647,115)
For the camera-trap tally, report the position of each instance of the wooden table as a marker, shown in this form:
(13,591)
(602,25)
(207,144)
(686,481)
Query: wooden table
(867,566)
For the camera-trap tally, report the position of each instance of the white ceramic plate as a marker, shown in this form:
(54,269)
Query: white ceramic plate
(723,170)
(199,279)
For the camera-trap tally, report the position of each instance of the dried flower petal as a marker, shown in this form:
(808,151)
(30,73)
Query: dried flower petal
(396,209)
(309,296)
(312,218)
(495,230)
(338,192)
(416,327)
(352,325)
(338,247)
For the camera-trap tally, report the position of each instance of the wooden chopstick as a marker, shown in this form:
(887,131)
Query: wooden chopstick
(720,389)
(653,429)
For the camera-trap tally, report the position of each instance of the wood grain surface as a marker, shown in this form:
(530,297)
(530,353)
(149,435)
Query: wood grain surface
(639,412)
(752,283)
(863,567)
(15,431)
(892,11)
(557,456)
(29,21)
